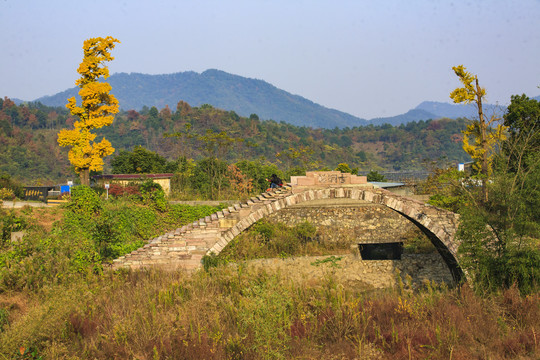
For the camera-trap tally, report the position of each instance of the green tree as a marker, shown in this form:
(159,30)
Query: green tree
(209,177)
(7,182)
(181,181)
(523,121)
(259,171)
(300,156)
(183,135)
(217,143)
(344,168)
(141,161)
(500,235)
(376,176)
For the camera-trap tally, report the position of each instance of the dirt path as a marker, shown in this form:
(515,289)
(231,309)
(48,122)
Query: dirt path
(20,204)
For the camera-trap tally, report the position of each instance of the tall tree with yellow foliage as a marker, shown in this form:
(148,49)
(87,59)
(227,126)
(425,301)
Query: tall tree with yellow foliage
(97,109)
(483,134)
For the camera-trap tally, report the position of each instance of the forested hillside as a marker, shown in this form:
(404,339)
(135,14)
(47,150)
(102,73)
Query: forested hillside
(29,151)
(28,148)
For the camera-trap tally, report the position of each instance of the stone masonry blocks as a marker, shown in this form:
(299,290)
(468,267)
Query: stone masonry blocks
(282,203)
(217,248)
(398,205)
(355,194)
(215,231)
(235,230)
(426,221)
(256,216)
(263,211)
(323,194)
(289,200)
(368,196)
(228,236)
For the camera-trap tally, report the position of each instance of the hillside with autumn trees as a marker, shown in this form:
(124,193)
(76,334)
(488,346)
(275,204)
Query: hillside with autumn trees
(29,151)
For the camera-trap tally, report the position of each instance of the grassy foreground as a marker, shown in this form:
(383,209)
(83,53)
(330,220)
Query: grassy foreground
(236,313)
(57,301)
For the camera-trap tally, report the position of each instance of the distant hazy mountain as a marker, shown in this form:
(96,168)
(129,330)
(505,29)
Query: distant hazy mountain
(219,89)
(411,115)
(455,111)
(248,96)
(17,101)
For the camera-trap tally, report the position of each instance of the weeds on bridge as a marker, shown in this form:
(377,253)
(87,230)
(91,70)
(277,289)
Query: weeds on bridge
(267,239)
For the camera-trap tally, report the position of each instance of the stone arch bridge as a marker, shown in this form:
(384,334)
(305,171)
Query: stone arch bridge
(185,247)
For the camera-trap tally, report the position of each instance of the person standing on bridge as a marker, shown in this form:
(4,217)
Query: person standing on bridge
(275,181)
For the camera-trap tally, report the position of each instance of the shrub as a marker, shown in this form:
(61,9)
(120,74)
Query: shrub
(344,168)
(84,201)
(305,231)
(152,193)
(121,229)
(9,222)
(7,194)
(184,214)
(265,229)
(6,182)
(266,239)
(118,190)
(148,192)
(210,261)
(496,258)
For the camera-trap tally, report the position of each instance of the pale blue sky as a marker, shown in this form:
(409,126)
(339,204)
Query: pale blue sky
(367,58)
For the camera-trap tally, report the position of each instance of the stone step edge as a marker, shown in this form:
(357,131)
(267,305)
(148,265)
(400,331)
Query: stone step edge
(212,218)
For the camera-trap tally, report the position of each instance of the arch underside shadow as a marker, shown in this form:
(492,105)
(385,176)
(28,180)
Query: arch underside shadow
(447,256)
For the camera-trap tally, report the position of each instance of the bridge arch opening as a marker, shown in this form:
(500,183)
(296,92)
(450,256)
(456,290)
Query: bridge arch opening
(437,224)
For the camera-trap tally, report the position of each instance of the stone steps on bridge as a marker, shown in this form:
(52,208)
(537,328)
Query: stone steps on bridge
(192,241)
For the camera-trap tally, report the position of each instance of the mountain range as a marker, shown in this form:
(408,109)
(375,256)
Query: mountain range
(248,96)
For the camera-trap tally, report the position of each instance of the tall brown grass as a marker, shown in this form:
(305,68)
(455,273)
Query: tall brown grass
(241,313)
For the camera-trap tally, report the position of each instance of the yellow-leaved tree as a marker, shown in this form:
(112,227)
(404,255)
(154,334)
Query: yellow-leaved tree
(481,136)
(97,110)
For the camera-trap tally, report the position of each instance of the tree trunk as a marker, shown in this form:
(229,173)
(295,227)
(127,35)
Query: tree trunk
(85,177)
(483,141)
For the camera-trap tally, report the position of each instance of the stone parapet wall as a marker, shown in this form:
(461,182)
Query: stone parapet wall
(328,179)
